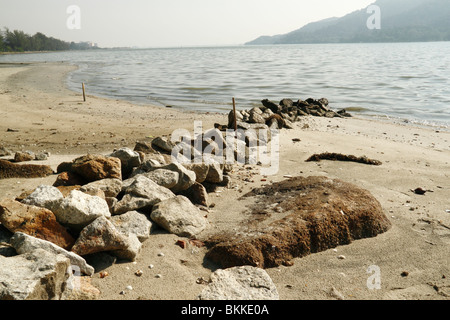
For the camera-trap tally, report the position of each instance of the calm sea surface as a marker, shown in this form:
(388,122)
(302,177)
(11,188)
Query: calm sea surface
(409,81)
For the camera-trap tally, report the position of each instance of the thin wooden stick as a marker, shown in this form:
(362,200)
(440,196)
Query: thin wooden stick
(235,117)
(84,92)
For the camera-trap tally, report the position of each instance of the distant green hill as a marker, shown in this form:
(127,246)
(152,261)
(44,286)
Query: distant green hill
(401,21)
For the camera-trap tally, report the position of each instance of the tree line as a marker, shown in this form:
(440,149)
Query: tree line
(19,41)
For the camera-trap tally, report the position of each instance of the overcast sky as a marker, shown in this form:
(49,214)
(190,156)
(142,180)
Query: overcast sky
(168,23)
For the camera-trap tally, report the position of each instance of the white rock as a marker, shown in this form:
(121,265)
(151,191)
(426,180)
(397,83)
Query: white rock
(44,196)
(39,275)
(163,177)
(79,209)
(111,187)
(133,222)
(24,243)
(179,216)
(129,159)
(240,283)
(140,193)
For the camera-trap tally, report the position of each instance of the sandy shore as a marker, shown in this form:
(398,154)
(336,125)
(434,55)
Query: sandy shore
(46,116)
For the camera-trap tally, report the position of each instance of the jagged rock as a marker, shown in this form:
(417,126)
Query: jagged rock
(94,167)
(10,170)
(215,173)
(164,178)
(197,194)
(34,221)
(201,170)
(164,144)
(133,222)
(132,251)
(111,187)
(179,216)
(129,159)
(140,193)
(24,156)
(79,209)
(145,147)
(24,243)
(240,283)
(44,196)
(318,213)
(94,192)
(101,236)
(186,177)
(67,179)
(38,275)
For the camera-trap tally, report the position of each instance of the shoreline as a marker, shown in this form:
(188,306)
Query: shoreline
(48,116)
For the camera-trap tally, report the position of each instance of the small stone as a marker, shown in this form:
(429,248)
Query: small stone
(104,274)
(160,254)
(336,294)
(139,273)
(158,276)
(341,257)
(405,274)
(151,266)
(129,288)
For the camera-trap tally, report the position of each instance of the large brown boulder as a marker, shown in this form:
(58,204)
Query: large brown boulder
(13,170)
(34,221)
(93,167)
(315,214)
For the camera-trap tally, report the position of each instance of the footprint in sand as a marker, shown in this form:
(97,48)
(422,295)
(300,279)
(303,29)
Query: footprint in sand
(433,229)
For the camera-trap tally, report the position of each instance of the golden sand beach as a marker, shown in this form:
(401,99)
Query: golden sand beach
(413,256)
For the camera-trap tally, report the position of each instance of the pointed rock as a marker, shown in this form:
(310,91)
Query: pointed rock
(34,221)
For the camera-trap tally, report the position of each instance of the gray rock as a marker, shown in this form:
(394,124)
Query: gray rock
(44,196)
(24,243)
(240,283)
(200,169)
(256,117)
(111,187)
(133,222)
(100,236)
(79,209)
(132,251)
(163,177)
(141,192)
(163,143)
(130,203)
(38,275)
(179,216)
(215,173)
(129,159)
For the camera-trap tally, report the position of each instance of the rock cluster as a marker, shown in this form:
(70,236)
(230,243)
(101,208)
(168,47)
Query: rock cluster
(283,114)
(98,204)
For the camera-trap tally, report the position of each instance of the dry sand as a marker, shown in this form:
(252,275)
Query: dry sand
(413,257)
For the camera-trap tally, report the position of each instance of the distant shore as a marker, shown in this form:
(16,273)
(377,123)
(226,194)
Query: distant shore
(45,115)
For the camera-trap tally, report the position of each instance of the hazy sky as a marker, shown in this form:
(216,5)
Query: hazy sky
(161,23)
